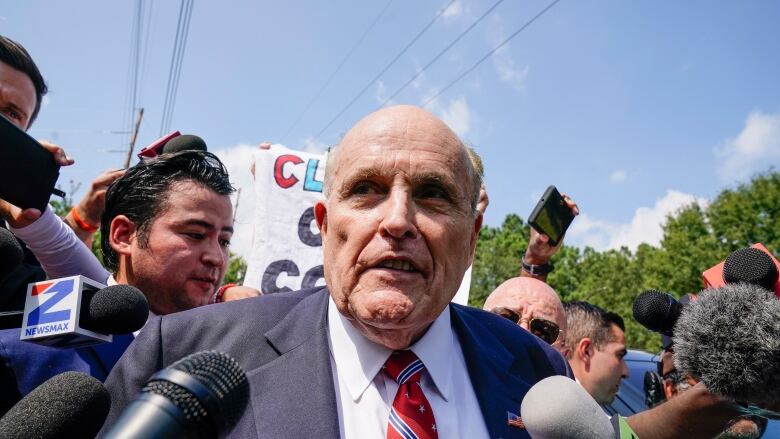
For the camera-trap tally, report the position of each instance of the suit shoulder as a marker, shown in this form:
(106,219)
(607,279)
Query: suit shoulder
(515,339)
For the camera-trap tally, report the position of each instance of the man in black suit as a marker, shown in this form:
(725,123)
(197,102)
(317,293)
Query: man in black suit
(399,226)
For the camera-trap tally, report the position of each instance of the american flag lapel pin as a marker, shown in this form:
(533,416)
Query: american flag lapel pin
(514,421)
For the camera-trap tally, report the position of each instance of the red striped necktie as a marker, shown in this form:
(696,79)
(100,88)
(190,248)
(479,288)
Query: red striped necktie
(411,416)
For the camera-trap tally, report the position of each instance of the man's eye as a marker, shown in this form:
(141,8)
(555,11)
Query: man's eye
(365,188)
(224,242)
(432,192)
(12,114)
(197,236)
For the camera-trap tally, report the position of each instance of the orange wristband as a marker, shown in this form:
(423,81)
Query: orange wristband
(83,225)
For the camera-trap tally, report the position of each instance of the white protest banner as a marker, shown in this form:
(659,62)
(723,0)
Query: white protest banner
(286,248)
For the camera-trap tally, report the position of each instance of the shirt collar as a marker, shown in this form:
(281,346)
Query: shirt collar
(360,360)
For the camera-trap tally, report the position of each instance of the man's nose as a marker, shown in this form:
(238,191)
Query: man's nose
(214,254)
(398,216)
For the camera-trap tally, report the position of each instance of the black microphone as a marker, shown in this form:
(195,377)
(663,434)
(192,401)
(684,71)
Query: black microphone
(11,253)
(185,142)
(750,265)
(730,339)
(558,407)
(201,395)
(118,309)
(71,404)
(657,311)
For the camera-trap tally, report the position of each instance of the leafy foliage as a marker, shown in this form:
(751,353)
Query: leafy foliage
(694,238)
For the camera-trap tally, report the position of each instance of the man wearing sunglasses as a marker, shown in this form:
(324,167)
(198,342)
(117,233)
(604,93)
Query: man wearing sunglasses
(534,306)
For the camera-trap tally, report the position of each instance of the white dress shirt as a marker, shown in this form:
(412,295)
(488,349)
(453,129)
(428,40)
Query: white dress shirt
(364,393)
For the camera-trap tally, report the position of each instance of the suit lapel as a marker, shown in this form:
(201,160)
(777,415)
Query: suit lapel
(295,395)
(496,374)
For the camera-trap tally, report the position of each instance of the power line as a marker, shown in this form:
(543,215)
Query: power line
(333,75)
(481,60)
(387,67)
(440,54)
(180,42)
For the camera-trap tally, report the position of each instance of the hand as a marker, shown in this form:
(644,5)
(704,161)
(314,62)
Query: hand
(18,217)
(240,292)
(265,145)
(91,207)
(539,250)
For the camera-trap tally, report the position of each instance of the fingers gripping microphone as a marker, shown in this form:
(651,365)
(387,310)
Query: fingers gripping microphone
(11,253)
(729,339)
(657,311)
(200,396)
(71,404)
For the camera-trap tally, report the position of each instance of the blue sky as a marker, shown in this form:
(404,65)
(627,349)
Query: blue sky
(633,108)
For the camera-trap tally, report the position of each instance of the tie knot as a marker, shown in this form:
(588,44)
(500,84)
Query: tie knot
(403,366)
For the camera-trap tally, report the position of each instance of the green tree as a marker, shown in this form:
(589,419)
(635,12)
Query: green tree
(497,258)
(235,271)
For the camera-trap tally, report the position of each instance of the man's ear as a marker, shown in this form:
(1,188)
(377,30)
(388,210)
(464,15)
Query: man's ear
(584,351)
(475,236)
(121,235)
(321,216)
(670,390)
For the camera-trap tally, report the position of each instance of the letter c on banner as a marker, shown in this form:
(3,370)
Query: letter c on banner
(281,180)
(304,229)
(272,272)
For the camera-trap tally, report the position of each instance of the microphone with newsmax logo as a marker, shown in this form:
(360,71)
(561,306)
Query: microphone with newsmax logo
(76,311)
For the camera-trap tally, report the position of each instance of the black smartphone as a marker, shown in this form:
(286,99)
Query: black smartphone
(28,172)
(551,216)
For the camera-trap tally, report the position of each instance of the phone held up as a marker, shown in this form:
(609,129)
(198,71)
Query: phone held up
(551,216)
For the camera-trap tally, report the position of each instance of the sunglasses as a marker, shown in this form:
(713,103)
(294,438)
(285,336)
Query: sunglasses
(542,328)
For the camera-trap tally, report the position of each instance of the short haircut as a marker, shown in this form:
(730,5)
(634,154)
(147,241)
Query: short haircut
(587,320)
(476,169)
(678,380)
(16,56)
(142,193)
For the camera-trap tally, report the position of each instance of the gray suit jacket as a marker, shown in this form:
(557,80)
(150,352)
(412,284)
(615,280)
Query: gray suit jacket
(281,341)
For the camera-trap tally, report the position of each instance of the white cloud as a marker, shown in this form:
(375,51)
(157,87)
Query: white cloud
(453,10)
(45,101)
(457,115)
(237,160)
(756,147)
(314,146)
(618,176)
(644,227)
(381,92)
(509,72)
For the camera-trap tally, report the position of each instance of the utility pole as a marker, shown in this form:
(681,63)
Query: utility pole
(134,137)
(235,209)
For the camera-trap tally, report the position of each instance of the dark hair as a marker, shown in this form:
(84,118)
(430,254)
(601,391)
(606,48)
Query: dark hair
(15,55)
(584,319)
(142,193)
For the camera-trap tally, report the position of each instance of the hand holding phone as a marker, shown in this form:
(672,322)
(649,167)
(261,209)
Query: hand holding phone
(551,216)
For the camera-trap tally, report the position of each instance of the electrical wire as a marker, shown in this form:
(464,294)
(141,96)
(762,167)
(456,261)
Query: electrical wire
(385,69)
(491,52)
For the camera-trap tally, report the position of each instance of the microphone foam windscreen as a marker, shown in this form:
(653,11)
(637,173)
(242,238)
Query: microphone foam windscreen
(185,142)
(559,408)
(657,311)
(11,253)
(219,373)
(118,309)
(750,265)
(729,338)
(71,404)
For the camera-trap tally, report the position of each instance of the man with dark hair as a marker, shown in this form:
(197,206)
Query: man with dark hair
(166,230)
(597,344)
